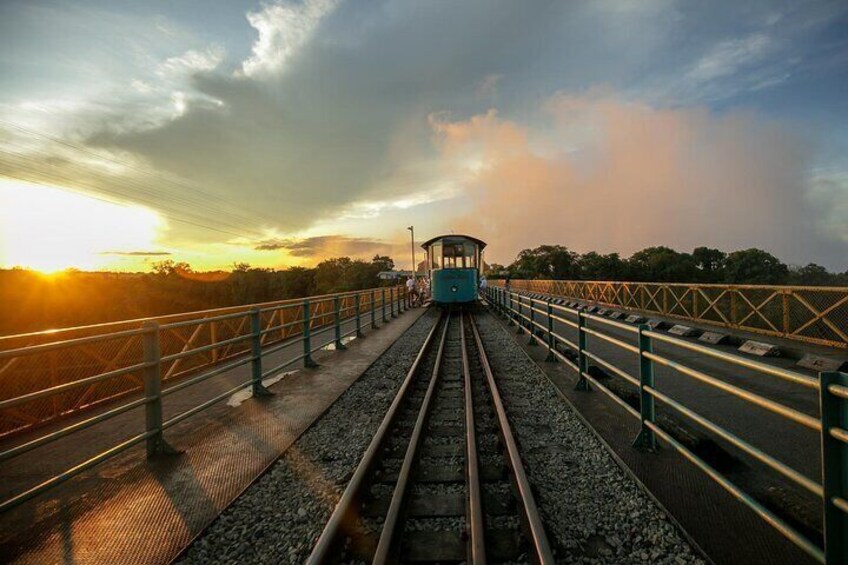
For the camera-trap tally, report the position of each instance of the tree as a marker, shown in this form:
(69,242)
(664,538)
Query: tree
(710,263)
(384,262)
(754,266)
(662,264)
(597,267)
(813,275)
(333,275)
(168,268)
(546,261)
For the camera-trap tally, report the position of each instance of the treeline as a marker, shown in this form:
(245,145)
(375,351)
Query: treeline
(663,264)
(32,301)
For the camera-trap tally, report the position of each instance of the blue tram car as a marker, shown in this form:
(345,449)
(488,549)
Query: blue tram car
(454,263)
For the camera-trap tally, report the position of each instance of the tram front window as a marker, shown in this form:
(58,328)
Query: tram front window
(460,256)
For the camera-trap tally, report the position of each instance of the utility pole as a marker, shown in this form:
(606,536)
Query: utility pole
(412,247)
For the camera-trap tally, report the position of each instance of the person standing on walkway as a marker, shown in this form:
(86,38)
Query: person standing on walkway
(412,290)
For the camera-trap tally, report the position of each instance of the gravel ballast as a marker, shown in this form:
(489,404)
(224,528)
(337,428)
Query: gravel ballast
(280,516)
(592,510)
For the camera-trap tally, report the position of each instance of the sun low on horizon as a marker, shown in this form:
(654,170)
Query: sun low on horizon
(49,229)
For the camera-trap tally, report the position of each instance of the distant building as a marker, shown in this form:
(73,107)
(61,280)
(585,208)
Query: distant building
(391,275)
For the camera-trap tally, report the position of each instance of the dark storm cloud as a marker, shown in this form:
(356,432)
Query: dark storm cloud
(348,110)
(326,246)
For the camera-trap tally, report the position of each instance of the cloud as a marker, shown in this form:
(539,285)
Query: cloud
(727,57)
(488,86)
(611,175)
(136,253)
(283,29)
(325,246)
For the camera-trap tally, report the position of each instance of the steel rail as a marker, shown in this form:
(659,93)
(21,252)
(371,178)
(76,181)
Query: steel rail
(204,348)
(733,439)
(737,360)
(347,505)
(566,341)
(538,537)
(608,338)
(58,389)
(476,540)
(201,321)
(281,326)
(778,524)
(388,540)
(607,365)
(10,503)
(753,398)
(54,345)
(204,376)
(58,434)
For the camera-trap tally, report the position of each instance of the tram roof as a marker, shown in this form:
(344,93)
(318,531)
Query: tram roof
(480,243)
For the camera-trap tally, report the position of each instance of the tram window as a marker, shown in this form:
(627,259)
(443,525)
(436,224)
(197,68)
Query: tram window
(454,255)
(470,255)
(436,255)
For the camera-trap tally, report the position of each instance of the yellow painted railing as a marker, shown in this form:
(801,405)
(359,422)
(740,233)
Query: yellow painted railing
(804,313)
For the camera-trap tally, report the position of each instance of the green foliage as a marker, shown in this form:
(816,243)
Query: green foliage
(663,264)
(547,262)
(754,266)
(34,302)
(597,267)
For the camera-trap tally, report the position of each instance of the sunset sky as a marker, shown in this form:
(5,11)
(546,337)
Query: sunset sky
(279,133)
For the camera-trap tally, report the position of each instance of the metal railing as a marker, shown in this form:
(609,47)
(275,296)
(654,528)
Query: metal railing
(152,359)
(538,317)
(805,313)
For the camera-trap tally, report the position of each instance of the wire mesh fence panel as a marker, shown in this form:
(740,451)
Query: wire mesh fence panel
(809,314)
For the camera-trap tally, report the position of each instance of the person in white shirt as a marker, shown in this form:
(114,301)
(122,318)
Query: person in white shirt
(483,284)
(412,289)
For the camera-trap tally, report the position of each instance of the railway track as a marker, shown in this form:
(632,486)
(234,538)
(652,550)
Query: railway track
(442,479)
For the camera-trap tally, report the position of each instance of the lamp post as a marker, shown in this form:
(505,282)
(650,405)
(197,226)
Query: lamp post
(412,247)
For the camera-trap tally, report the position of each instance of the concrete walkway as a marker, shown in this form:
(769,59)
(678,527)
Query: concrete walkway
(133,510)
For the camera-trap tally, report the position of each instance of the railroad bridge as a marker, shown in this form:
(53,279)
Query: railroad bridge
(699,422)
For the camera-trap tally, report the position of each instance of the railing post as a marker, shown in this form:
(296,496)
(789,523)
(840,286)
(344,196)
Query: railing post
(518,318)
(647,413)
(383,304)
(156,444)
(532,322)
(834,414)
(510,312)
(582,360)
(392,302)
(551,345)
(257,387)
(400,299)
(357,300)
(734,308)
(337,322)
(307,342)
(785,305)
(373,309)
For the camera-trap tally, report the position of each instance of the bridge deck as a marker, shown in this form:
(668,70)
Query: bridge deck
(131,510)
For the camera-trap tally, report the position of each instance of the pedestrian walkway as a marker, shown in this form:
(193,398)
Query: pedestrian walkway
(134,510)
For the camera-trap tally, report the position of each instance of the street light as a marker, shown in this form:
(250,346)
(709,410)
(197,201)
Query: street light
(412,247)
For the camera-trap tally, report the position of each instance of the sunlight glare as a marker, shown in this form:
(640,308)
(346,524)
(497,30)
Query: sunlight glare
(49,229)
